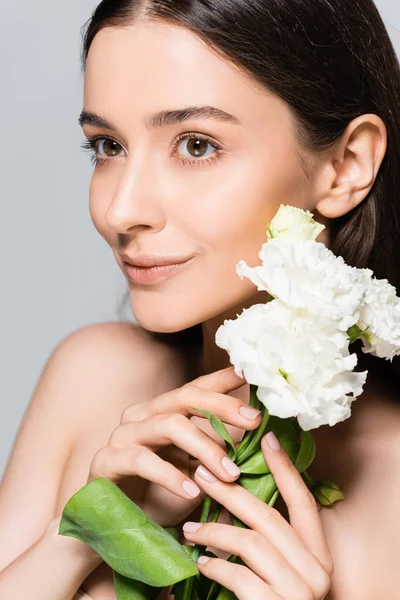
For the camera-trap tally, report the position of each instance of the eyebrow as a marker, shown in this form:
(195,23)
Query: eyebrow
(164,117)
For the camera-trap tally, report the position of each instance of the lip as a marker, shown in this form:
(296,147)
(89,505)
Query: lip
(147,260)
(152,275)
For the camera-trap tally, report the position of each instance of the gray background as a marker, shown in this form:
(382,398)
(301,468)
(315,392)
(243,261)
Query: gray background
(57,273)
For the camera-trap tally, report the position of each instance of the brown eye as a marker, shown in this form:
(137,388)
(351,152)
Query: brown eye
(197,147)
(191,149)
(110,148)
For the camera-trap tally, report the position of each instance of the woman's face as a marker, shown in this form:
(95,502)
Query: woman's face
(157,193)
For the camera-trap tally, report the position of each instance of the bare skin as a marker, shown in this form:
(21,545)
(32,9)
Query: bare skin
(217,212)
(366,442)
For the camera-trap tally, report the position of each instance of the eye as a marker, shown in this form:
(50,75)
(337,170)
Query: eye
(109,145)
(196,147)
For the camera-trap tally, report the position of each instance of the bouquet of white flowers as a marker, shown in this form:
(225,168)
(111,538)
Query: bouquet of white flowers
(294,352)
(295,348)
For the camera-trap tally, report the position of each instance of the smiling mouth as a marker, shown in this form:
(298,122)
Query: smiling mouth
(152,275)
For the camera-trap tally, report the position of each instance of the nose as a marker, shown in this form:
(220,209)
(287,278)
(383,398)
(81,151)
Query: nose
(134,204)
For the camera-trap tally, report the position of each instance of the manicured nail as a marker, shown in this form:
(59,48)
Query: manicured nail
(191,526)
(230,466)
(203,559)
(273,441)
(191,488)
(248,412)
(205,474)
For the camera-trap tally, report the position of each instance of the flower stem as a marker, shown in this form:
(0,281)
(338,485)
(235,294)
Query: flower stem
(309,480)
(203,519)
(255,402)
(216,513)
(244,453)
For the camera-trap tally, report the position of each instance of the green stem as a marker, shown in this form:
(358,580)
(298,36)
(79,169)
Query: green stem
(255,440)
(309,480)
(216,513)
(188,589)
(203,519)
(255,402)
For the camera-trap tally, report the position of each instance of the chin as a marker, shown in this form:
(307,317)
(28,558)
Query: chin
(166,324)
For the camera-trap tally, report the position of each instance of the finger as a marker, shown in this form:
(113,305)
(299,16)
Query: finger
(257,552)
(263,519)
(237,578)
(302,506)
(117,463)
(174,428)
(223,380)
(201,396)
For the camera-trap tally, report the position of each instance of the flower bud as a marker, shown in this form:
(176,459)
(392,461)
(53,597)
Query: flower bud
(326,492)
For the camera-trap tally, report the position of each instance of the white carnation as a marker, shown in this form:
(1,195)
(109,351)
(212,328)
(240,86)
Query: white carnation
(302,368)
(381,315)
(294,223)
(307,275)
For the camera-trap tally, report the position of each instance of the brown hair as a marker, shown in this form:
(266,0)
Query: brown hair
(330,61)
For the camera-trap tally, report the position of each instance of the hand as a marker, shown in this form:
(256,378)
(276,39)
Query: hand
(284,560)
(166,492)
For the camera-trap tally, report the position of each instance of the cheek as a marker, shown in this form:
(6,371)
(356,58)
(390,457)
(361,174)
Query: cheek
(230,211)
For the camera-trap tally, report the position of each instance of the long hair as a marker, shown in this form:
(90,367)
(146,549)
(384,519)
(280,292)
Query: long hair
(330,61)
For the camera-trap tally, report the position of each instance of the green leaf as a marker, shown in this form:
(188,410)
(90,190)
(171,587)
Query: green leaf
(306,453)
(261,486)
(103,517)
(355,333)
(226,595)
(255,464)
(219,427)
(129,589)
(173,531)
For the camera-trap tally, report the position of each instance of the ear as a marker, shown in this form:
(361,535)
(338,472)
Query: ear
(349,172)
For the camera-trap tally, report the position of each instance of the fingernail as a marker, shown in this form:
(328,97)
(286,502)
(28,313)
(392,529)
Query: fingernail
(203,559)
(205,474)
(191,488)
(230,466)
(191,526)
(248,412)
(273,441)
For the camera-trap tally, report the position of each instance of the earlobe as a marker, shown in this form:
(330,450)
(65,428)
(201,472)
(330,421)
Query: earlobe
(351,168)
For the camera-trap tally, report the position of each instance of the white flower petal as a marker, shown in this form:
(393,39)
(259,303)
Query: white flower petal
(309,276)
(381,314)
(302,368)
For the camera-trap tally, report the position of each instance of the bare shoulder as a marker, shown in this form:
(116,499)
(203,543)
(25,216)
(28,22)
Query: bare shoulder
(109,366)
(87,380)
(122,350)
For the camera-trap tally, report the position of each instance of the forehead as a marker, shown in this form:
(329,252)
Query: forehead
(151,66)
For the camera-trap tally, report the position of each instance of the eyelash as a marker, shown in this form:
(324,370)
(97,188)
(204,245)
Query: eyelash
(90,146)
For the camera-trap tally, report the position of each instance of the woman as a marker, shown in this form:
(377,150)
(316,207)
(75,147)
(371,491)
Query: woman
(203,118)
